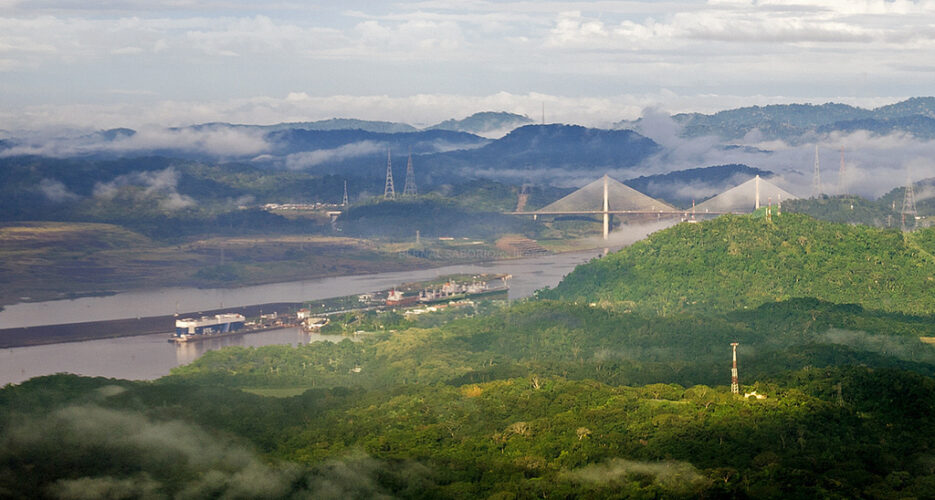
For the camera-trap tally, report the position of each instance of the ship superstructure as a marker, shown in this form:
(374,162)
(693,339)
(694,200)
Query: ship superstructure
(187,328)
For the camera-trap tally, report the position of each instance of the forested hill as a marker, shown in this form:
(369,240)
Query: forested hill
(734,262)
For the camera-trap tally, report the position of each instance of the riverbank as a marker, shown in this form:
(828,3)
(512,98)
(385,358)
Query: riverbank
(64,261)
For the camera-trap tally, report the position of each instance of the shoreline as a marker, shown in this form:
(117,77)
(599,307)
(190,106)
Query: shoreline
(244,284)
(128,327)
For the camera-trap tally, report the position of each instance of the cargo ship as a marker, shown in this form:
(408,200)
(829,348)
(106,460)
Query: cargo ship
(451,290)
(187,329)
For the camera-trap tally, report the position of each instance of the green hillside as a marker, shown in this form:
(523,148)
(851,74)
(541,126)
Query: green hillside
(735,262)
(540,399)
(617,390)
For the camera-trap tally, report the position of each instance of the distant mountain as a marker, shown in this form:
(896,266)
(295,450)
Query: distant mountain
(920,126)
(798,122)
(329,124)
(923,106)
(773,121)
(550,152)
(563,153)
(682,187)
(335,146)
(484,123)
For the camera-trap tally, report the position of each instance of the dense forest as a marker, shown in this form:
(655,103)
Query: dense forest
(613,385)
(736,262)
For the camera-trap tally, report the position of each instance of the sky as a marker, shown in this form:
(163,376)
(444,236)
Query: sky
(114,63)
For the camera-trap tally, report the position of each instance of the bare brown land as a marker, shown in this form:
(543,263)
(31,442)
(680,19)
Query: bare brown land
(54,260)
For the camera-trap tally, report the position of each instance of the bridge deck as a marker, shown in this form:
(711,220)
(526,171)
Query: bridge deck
(619,212)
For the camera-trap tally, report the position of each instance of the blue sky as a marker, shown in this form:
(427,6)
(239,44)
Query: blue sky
(135,62)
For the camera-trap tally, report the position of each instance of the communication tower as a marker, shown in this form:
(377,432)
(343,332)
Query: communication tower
(734,379)
(344,200)
(816,179)
(909,203)
(388,192)
(409,189)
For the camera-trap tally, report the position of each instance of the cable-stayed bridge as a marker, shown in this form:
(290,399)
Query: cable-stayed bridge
(607,197)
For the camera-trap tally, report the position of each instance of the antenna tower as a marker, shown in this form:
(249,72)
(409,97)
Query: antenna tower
(842,181)
(409,189)
(909,203)
(734,379)
(388,192)
(344,200)
(816,179)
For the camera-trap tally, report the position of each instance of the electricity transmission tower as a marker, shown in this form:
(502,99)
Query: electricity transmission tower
(389,193)
(409,189)
(909,204)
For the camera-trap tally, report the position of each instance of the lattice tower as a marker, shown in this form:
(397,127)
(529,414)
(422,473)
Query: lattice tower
(389,193)
(816,179)
(409,189)
(344,200)
(909,203)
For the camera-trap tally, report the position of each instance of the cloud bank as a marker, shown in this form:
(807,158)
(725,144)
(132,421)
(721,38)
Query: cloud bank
(90,452)
(131,63)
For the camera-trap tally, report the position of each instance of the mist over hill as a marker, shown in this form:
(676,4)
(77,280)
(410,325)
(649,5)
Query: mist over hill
(485,123)
(798,123)
(879,146)
(683,187)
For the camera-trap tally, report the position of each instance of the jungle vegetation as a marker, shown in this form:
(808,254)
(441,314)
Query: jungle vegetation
(610,391)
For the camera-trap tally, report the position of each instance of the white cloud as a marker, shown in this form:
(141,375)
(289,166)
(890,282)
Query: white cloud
(874,164)
(307,159)
(418,109)
(56,191)
(590,61)
(224,142)
(161,184)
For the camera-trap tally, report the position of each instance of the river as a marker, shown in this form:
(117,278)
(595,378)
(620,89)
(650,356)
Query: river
(148,357)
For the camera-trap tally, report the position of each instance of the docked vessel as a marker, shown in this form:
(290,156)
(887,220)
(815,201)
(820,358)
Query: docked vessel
(453,291)
(187,329)
(398,298)
(314,324)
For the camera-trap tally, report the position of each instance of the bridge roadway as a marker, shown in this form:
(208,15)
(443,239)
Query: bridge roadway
(606,213)
(618,212)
